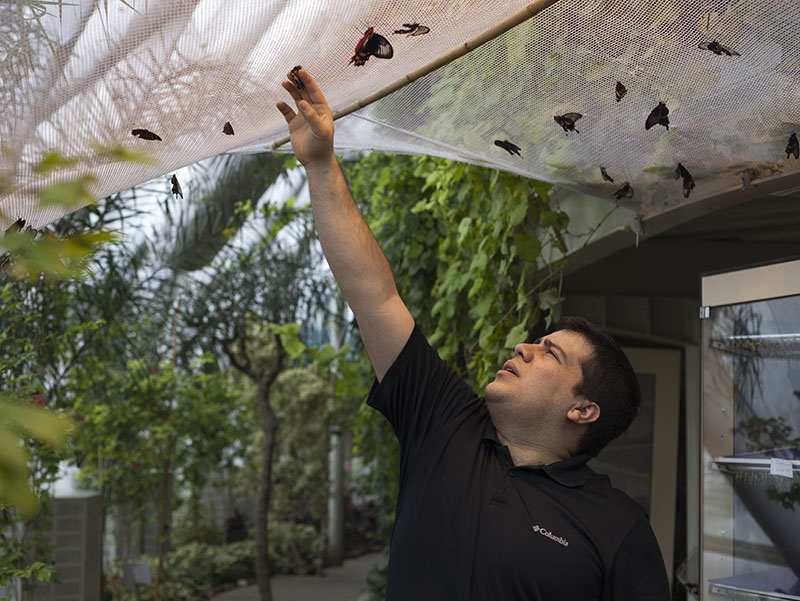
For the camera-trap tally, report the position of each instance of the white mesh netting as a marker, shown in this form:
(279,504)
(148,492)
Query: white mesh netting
(78,75)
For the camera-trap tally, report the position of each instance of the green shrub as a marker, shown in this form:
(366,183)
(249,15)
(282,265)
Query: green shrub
(194,570)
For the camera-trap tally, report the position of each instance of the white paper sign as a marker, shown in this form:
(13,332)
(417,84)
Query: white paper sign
(780,467)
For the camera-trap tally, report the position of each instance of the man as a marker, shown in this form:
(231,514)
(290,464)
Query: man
(496,501)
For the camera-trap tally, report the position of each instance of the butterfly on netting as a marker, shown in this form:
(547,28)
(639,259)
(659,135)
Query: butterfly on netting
(371,44)
(413,29)
(624,191)
(620,91)
(176,187)
(509,147)
(227,129)
(567,121)
(605,175)
(658,116)
(295,78)
(17,226)
(793,148)
(717,48)
(145,134)
(688,180)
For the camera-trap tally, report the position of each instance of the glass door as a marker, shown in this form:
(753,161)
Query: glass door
(751,434)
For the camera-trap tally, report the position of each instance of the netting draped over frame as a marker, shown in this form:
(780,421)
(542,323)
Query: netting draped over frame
(80,76)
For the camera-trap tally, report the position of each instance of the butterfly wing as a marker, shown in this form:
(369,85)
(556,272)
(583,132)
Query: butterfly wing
(420,30)
(728,51)
(625,191)
(572,116)
(658,116)
(176,187)
(360,55)
(605,174)
(378,46)
(620,91)
(296,78)
(145,134)
(227,129)
(793,147)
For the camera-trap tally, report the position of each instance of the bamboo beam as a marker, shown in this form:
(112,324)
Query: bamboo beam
(531,10)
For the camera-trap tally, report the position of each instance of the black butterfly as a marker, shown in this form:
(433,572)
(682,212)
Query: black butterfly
(658,116)
(567,121)
(509,147)
(606,176)
(18,225)
(620,91)
(688,180)
(176,187)
(625,191)
(227,129)
(718,48)
(371,44)
(413,29)
(793,148)
(145,135)
(295,78)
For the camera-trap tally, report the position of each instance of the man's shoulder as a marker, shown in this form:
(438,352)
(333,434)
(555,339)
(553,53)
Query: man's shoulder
(616,510)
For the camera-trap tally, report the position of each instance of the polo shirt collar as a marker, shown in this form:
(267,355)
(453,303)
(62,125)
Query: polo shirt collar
(572,472)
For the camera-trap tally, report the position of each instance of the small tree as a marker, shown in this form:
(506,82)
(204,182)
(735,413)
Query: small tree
(248,308)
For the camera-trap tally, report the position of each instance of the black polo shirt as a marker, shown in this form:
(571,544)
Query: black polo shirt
(472,526)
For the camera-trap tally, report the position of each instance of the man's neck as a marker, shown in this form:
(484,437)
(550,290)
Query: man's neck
(531,454)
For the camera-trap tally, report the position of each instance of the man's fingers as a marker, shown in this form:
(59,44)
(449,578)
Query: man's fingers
(315,95)
(311,116)
(286,110)
(293,91)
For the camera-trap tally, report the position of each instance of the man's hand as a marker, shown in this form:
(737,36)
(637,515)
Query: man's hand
(311,128)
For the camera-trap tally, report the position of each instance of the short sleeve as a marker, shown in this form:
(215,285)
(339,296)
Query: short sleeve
(420,395)
(638,573)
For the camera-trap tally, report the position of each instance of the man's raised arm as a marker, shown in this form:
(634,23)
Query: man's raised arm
(356,260)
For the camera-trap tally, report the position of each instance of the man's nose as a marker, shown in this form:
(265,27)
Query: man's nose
(524,350)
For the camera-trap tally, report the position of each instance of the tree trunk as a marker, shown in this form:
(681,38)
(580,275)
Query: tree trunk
(162,518)
(268,425)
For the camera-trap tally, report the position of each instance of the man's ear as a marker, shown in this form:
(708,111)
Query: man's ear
(584,412)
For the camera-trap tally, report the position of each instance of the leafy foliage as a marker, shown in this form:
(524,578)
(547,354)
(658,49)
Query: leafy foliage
(470,248)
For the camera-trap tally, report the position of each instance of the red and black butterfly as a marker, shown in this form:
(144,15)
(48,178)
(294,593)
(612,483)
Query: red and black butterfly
(145,134)
(371,44)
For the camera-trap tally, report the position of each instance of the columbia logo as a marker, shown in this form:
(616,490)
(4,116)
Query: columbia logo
(560,540)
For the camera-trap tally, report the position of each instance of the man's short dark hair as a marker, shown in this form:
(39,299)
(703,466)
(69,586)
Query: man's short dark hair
(608,380)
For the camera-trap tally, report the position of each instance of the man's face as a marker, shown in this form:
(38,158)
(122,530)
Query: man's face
(535,387)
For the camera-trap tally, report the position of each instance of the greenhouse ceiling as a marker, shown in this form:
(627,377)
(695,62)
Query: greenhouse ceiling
(677,100)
